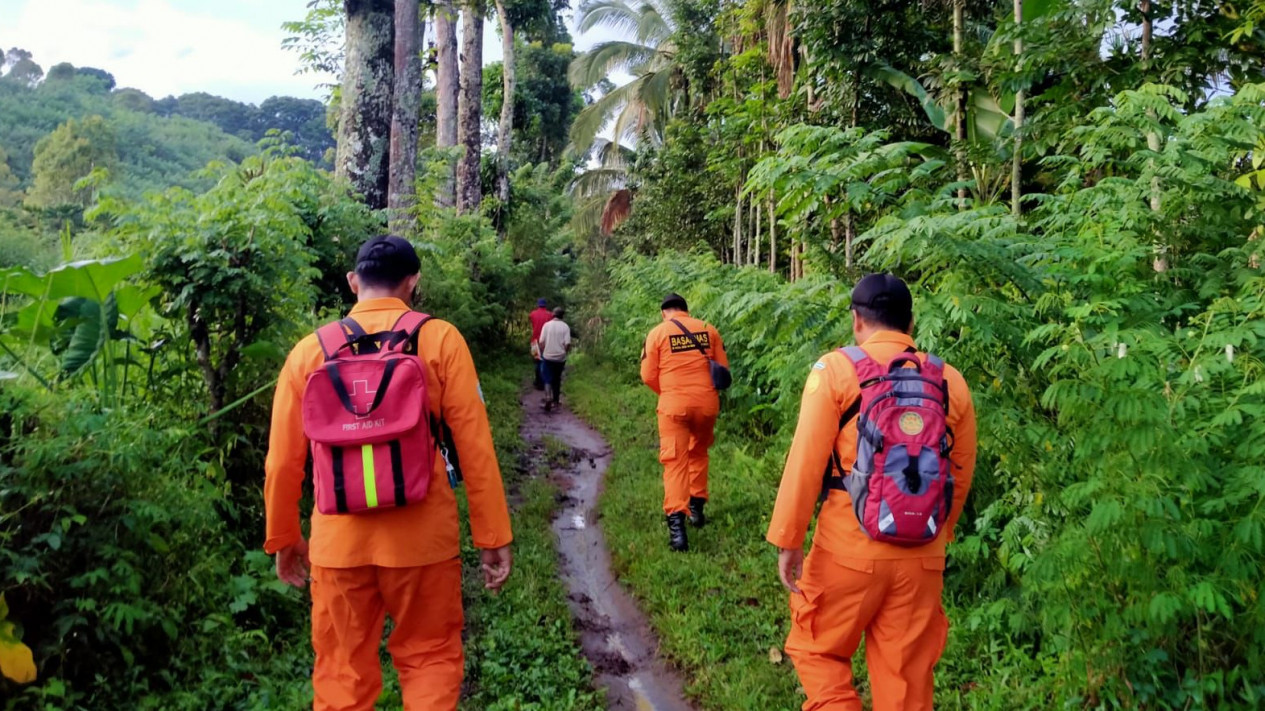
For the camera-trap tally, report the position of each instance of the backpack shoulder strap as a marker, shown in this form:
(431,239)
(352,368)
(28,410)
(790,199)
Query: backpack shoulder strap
(937,369)
(333,336)
(407,326)
(411,321)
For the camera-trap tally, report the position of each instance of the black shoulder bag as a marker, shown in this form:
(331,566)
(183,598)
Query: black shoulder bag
(721,377)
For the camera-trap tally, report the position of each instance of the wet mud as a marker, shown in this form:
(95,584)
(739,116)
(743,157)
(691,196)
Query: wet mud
(614,634)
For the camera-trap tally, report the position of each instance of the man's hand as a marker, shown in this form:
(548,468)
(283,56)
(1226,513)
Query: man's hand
(496,567)
(790,566)
(293,564)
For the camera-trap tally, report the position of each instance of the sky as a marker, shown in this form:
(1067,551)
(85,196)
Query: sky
(231,48)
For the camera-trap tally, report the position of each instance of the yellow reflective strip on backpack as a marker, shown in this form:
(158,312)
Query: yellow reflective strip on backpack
(371,478)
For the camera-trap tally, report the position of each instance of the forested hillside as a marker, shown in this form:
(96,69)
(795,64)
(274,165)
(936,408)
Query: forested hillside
(1073,191)
(155,143)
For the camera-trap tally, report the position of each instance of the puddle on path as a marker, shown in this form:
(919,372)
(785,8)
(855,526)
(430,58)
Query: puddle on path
(613,633)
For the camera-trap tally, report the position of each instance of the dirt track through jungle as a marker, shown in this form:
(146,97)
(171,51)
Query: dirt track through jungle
(613,633)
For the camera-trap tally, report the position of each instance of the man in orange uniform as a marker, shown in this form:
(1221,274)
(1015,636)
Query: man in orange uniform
(400,561)
(539,317)
(850,584)
(675,364)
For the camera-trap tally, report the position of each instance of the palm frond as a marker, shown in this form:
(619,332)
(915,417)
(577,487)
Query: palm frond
(612,154)
(587,218)
(594,117)
(615,14)
(598,181)
(607,57)
(653,26)
(618,207)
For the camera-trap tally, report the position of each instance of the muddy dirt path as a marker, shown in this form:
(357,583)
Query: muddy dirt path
(613,633)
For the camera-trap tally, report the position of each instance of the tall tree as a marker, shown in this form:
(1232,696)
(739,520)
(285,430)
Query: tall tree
(364,126)
(9,194)
(505,128)
(470,108)
(67,155)
(446,90)
(408,107)
(1016,166)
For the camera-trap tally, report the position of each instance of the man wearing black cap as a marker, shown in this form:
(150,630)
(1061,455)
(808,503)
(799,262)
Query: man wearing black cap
(677,364)
(852,585)
(400,561)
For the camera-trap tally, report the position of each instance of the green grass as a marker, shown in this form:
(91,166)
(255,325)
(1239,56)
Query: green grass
(719,609)
(521,649)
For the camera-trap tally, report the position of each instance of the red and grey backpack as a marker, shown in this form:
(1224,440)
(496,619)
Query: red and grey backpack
(901,485)
(367,413)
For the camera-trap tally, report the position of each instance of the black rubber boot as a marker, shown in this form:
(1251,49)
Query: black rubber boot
(697,519)
(676,532)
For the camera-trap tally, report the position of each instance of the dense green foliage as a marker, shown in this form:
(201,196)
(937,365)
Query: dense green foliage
(1108,322)
(1111,546)
(135,389)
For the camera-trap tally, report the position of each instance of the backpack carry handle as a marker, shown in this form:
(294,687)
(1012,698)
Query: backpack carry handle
(901,360)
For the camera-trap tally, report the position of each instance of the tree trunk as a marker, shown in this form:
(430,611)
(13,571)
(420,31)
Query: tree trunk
(1016,167)
(402,189)
(738,229)
(364,126)
(446,89)
(849,240)
(959,131)
(470,109)
(505,129)
(759,225)
(772,236)
(1160,263)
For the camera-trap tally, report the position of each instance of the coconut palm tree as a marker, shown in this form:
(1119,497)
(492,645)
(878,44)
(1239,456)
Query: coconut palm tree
(641,108)
(602,193)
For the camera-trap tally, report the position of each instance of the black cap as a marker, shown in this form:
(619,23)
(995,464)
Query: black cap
(387,260)
(886,295)
(674,301)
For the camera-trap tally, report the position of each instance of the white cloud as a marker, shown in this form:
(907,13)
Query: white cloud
(159,48)
(177,46)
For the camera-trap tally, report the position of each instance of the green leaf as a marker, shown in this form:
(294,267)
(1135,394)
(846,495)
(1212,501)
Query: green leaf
(900,80)
(1033,9)
(90,323)
(132,298)
(16,660)
(92,278)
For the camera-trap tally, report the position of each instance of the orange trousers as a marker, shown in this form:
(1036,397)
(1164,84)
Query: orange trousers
(684,438)
(894,603)
(349,606)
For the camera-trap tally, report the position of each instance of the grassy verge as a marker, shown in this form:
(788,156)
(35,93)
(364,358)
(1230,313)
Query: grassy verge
(521,649)
(719,611)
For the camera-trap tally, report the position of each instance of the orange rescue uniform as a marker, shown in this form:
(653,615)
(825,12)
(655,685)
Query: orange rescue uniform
(400,561)
(688,404)
(852,585)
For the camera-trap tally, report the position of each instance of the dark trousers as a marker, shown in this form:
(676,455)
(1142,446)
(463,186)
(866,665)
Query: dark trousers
(553,376)
(538,369)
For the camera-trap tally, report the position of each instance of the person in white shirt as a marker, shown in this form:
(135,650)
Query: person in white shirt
(555,344)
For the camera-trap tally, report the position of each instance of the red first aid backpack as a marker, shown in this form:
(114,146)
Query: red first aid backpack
(366,411)
(900,484)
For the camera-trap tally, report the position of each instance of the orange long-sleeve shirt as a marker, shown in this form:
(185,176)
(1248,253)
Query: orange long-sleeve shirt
(674,368)
(423,533)
(831,387)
